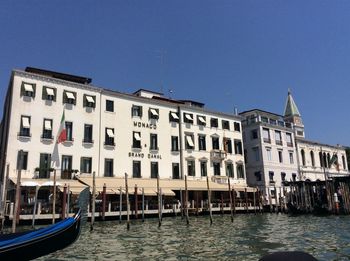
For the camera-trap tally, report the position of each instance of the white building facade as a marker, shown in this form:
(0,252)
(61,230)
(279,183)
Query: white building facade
(142,134)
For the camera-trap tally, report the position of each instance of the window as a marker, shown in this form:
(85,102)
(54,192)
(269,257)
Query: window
(264,119)
(109,136)
(229,170)
(49,93)
(22,160)
(201,120)
(201,142)
(283,176)
(266,135)
(189,144)
(69,97)
(85,165)
(227,145)
(291,157)
(176,170)
(300,133)
(88,133)
(256,153)
(254,134)
(173,116)
(303,157)
(153,114)
(321,159)
(215,143)
(214,122)
(110,105)
(153,141)
(203,168)
(154,170)
(269,154)
(225,125)
(312,158)
(28,89)
(257,175)
(174,143)
(240,171)
(289,139)
(136,139)
(47,129)
(273,122)
(136,111)
(136,169)
(188,118)
(69,130)
(238,147)
(278,137)
(344,163)
(237,127)
(109,168)
(89,101)
(280,156)
(191,170)
(294,176)
(66,168)
(44,166)
(25,126)
(271,174)
(216,166)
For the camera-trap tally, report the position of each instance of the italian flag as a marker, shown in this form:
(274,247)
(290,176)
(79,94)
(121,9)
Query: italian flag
(62,132)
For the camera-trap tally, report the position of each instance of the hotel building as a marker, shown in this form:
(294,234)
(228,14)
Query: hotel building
(276,151)
(143,134)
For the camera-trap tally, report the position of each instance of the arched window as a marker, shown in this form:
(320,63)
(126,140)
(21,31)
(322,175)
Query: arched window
(321,159)
(303,157)
(328,160)
(312,158)
(343,159)
(325,160)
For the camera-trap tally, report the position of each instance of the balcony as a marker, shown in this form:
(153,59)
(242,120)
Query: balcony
(289,144)
(46,137)
(267,140)
(279,142)
(88,141)
(217,155)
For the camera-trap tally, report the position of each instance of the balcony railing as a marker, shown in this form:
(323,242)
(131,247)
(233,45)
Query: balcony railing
(279,142)
(267,140)
(289,144)
(217,155)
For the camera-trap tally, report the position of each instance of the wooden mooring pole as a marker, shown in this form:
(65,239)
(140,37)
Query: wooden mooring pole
(35,205)
(127,202)
(17,201)
(4,197)
(104,202)
(143,205)
(120,204)
(209,202)
(54,198)
(136,202)
(159,203)
(230,195)
(186,201)
(93,199)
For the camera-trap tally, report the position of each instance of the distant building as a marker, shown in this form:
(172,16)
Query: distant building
(143,134)
(276,151)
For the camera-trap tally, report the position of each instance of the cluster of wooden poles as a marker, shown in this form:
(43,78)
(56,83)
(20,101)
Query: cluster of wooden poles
(184,199)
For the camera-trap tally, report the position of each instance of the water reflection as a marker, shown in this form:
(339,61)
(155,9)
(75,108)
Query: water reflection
(248,238)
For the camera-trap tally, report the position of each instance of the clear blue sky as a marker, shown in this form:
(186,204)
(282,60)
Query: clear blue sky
(223,53)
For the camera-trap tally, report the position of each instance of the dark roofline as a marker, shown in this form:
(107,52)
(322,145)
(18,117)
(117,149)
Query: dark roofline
(139,90)
(58,75)
(261,111)
(194,102)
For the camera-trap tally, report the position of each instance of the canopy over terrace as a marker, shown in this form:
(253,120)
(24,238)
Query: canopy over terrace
(113,185)
(74,185)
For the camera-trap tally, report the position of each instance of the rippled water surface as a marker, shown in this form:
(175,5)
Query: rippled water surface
(248,238)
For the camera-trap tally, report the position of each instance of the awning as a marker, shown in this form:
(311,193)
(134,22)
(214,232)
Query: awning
(188,117)
(174,115)
(137,136)
(154,112)
(29,183)
(25,122)
(49,91)
(201,119)
(189,141)
(47,125)
(110,133)
(28,87)
(167,192)
(90,99)
(70,95)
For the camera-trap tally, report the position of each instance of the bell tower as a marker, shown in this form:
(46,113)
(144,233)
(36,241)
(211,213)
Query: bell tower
(292,115)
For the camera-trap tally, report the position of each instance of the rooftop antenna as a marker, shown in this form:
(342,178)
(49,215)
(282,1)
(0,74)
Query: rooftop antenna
(170,93)
(162,54)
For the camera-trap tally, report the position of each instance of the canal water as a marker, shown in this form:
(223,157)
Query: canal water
(249,237)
